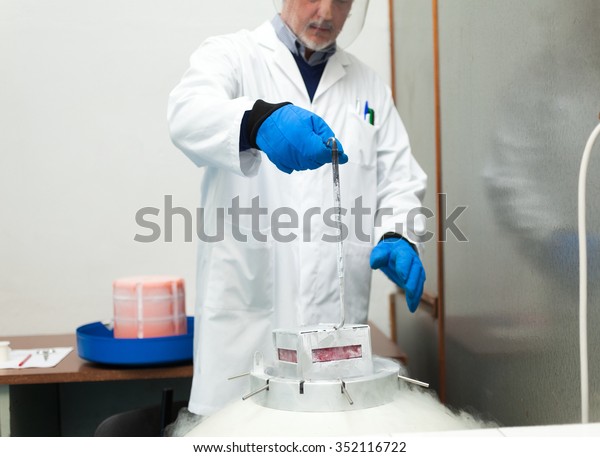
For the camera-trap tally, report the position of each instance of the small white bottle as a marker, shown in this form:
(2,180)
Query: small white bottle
(4,351)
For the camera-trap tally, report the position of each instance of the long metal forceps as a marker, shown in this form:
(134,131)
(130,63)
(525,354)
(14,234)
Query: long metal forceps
(335,165)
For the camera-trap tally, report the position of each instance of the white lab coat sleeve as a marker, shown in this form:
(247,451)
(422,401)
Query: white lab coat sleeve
(205,109)
(401,182)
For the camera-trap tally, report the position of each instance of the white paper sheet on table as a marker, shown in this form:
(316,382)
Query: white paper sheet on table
(37,360)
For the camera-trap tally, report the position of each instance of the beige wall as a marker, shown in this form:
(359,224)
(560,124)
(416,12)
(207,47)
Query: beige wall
(84,145)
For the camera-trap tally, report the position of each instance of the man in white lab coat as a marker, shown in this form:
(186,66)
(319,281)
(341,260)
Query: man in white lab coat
(255,110)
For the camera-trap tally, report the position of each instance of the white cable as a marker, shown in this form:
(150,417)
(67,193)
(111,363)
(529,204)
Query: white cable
(583,350)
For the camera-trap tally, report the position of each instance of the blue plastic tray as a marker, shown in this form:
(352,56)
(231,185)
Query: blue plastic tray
(96,343)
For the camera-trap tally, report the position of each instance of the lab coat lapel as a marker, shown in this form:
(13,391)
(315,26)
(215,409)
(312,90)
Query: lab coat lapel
(283,66)
(288,66)
(334,71)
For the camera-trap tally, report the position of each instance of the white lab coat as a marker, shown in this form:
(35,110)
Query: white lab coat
(247,289)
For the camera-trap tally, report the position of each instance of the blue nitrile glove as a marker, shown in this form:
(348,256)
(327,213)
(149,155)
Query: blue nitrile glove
(399,261)
(296,139)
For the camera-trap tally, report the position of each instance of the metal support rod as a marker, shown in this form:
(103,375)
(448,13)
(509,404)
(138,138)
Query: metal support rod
(265,387)
(414,381)
(335,163)
(346,394)
(238,376)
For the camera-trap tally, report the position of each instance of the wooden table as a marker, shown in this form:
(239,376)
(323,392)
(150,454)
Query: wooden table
(73,369)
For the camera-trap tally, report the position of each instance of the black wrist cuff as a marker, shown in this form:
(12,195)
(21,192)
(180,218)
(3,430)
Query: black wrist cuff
(391,235)
(260,111)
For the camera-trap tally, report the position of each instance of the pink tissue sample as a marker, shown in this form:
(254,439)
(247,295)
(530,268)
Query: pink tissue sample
(337,353)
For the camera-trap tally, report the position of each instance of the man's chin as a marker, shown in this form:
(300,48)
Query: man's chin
(316,45)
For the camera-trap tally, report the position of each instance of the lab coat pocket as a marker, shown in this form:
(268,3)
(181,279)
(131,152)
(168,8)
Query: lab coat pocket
(357,283)
(359,140)
(240,274)
(358,177)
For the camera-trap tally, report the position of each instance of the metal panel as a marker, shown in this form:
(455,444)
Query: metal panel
(414,99)
(520,86)
(417,334)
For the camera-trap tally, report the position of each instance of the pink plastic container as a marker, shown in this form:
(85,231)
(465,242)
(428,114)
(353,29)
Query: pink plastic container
(149,307)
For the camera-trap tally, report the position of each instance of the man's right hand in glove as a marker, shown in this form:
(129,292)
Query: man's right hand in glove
(291,137)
